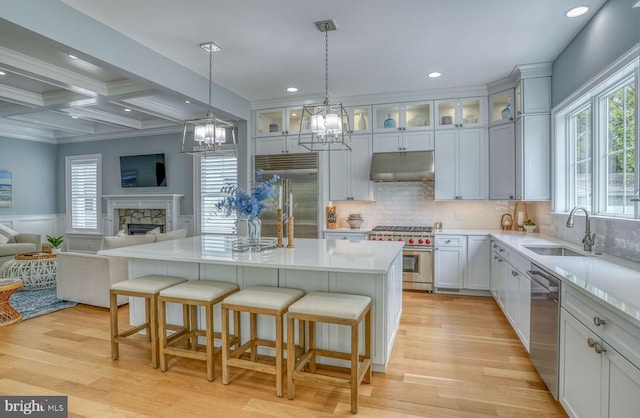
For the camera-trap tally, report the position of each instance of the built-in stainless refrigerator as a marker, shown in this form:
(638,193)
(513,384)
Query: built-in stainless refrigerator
(299,177)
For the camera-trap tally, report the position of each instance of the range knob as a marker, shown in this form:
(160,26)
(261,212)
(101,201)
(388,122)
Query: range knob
(400,239)
(411,241)
(420,241)
(428,241)
(390,239)
(374,239)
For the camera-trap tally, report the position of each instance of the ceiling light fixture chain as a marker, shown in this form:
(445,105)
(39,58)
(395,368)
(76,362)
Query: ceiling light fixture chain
(326,63)
(210,75)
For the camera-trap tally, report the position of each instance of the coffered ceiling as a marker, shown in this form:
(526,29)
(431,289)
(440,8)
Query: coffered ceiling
(379,47)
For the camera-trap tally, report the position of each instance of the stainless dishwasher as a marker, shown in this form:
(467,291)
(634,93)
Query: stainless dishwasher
(545,324)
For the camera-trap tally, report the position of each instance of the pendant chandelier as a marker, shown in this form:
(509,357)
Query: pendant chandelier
(208,135)
(328,123)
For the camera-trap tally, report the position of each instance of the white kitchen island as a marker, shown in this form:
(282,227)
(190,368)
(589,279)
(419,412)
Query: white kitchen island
(367,268)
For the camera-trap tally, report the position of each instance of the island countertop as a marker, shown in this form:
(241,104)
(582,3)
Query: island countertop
(308,254)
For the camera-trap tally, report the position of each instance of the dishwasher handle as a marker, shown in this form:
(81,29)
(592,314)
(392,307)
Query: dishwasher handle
(534,273)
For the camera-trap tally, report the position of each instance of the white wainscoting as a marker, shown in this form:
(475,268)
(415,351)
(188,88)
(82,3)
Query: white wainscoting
(49,224)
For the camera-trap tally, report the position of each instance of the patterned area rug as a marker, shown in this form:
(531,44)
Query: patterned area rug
(32,303)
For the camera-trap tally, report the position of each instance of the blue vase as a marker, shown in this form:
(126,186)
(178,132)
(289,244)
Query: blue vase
(389,123)
(506,112)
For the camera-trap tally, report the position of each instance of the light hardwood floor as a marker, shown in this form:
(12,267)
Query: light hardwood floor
(454,357)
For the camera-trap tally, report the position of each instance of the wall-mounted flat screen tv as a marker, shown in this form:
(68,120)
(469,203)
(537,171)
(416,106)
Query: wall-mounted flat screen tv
(143,170)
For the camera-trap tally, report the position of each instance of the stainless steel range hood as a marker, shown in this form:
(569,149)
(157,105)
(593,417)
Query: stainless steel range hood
(402,166)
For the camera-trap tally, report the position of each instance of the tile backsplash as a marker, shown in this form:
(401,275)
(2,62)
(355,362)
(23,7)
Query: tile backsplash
(409,203)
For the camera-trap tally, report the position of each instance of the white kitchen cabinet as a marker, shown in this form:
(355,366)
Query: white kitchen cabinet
(533,95)
(478,266)
(599,359)
(403,141)
(511,288)
(349,171)
(450,259)
(501,107)
(409,116)
(533,157)
(282,144)
(465,112)
(502,165)
(461,164)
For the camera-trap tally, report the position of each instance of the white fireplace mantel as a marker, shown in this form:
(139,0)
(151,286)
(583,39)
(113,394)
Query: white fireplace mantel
(169,202)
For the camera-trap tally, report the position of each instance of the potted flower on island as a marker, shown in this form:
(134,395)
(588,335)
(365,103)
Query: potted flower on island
(249,205)
(56,242)
(529,225)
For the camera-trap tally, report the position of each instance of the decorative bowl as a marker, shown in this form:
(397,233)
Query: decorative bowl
(355,223)
(530,228)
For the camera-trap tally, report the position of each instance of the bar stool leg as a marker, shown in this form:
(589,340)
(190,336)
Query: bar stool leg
(153,331)
(279,355)
(291,360)
(113,310)
(209,334)
(354,367)
(367,345)
(225,344)
(193,326)
(162,331)
(312,346)
(254,335)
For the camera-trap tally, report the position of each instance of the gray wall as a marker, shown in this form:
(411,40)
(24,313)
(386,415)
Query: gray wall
(614,30)
(33,167)
(179,168)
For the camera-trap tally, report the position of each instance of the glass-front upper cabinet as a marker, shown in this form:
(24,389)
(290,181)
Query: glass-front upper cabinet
(270,122)
(280,121)
(501,108)
(410,116)
(359,119)
(457,113)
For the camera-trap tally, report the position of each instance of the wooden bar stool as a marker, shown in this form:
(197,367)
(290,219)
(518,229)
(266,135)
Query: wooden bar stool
(192,294)
(147,287)
(257,300)
(331,308)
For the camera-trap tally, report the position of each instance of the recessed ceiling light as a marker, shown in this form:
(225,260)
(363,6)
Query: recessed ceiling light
(126,109)
(74,117)
(434,74)
(3,73)
(292,89)
(577,11)
(187,101)
(73,57)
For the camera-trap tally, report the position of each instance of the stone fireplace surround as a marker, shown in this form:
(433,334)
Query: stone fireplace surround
(151,204)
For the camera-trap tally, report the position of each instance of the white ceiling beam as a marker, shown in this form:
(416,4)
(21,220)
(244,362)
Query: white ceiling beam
(51,74)
(57,121)
(107,118)
(19,96)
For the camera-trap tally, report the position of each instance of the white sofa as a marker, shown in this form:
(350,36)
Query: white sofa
(20,243)
(87,278)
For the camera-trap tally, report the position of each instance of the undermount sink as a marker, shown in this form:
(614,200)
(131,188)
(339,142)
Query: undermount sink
(555,251)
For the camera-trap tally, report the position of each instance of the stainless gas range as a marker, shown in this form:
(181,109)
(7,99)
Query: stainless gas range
(417,255)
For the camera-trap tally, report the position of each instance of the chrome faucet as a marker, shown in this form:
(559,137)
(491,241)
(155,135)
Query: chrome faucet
(588,239)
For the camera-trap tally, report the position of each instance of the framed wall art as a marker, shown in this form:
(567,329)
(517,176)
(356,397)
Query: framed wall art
(5,188)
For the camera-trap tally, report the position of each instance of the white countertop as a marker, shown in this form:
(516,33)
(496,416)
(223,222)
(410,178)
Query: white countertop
(349,230)
(308,254)
(615,282)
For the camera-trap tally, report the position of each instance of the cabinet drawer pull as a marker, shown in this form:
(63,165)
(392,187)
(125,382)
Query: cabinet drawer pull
(598,348)
(590,342)
(597,321)
(447,241)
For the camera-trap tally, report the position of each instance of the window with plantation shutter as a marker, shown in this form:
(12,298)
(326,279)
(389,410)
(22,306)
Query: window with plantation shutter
(215,173)
(84,174)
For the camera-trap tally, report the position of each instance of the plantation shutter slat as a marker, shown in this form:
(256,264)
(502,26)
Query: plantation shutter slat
(215,173)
